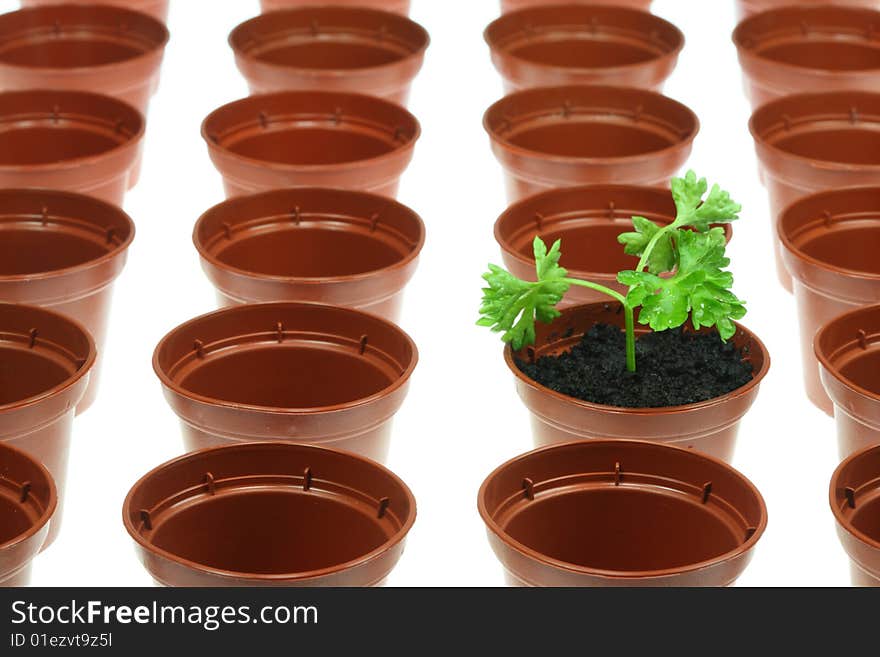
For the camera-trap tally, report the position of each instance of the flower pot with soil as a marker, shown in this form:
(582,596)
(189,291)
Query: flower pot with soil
(829,246)
(583,373)
(69,140)
(269,514)
(621,513)
(155,8)
(588,220)
(798,49)
(854,502)
(568,136)
(311,139)
(102,49)
(747,8)
(296,372)
(508,6)
(395,6)
(310,244)
(583,44)
(331,48)
(27,504)
(809,143)
(63,251)
(45,360)
(848,350)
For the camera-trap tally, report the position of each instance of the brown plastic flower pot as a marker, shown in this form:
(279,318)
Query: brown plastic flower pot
(331,49)
(103,49)
(297,372)
(310,244)
(799,49)
(829,243)
(269,514)
(621,513)
(809,143)
(508,6)
(854,503)
(63,251)
(567,136)
(747,8)
(311,139)
(710,427)
(556,45)
(69,140)
(395,6)
(45,360)
(27,503)
(588,220)
(156,8)
(848,349)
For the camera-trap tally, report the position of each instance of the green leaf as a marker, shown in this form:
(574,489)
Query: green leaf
(717,208)
(688,193)
(662,256)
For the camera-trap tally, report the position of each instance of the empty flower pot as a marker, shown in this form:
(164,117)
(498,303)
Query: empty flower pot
(310,244)
(808,143)
(156,8)
(396,6)
(515,5)
(103,49)
(567,136)
(854,503)
(548,46)
(311,139)
(331,48)
(63,251)
(69,140)
(746,8)
(621,513)
(588,220)
(269,514)
(27,503)
(45,360)
(710,427)
(297,372)
(829,246)
(848,349)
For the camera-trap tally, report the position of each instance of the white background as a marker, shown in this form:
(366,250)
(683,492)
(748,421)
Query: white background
(462,417)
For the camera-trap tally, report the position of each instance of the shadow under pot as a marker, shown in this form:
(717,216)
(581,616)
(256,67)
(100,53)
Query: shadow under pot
(803,48)
(156,8)
(546,46)
(747,8)
(516,5)
(709,426)
(310,244)
(331,48)
(269,514)
(830,243)
(102,49)
(575,135)
(620,513)
(855,502)
(63,251)
(69,140)
(848,350)
(27,504)
(297,372)
(808,143)
(396,6)
(311,139)
(45,360)
(588,220)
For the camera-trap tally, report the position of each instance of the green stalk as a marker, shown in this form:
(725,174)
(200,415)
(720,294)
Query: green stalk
(628,315)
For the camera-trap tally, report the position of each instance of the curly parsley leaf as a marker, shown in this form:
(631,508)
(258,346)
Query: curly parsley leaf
(662,257)
(692,210)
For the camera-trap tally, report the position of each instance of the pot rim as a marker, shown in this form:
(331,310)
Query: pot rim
(402,263)
(122,10)
(342,10)
(47,193)
(825,361)
(681,142)
(611,8)
(178,389)
(388,545)
(664,410)
(534,555)
(842,521)
(331,167)
(50,509)
(72,379)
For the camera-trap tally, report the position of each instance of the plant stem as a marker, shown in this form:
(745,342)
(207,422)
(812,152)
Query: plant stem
(628,316)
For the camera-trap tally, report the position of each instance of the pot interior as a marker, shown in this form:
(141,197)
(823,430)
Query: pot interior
(18,515)
(834,142)
(849,346)
(48,144)
(855,494)
(852,246)
(831,53)
(591,137)
(312,144)
(26,373)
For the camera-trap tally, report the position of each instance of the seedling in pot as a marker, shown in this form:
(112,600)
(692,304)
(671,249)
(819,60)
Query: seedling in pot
(681,274)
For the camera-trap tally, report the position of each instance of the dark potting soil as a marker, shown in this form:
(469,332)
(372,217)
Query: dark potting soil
(674,367)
